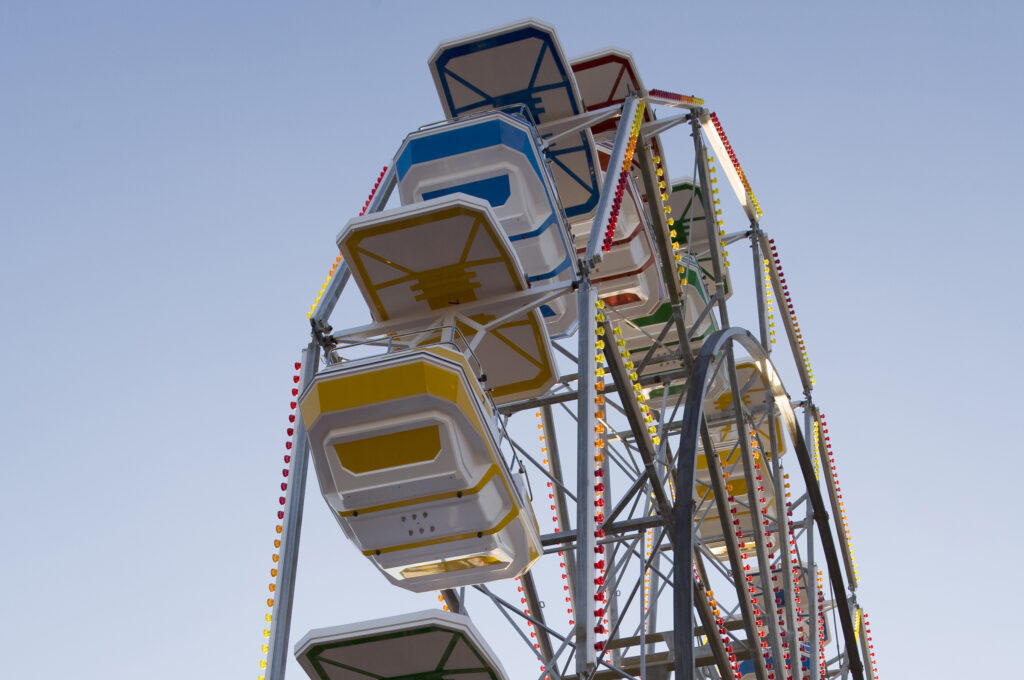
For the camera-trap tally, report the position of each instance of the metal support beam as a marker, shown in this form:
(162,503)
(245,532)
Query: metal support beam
(550,438)
(533,602)
(812,595)
(663,243)
(451,598)
(710,219)
(663,505)
(575,124)
(709,626)
(571,395)
(656,127)
(603,211)
(284,590)
(527,299)
(584,586)
(837,511)
(787,318)
(760,292)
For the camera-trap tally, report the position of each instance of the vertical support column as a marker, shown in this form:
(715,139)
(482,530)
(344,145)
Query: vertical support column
(604,208)
(584,585)
(762,313)
(785,316)
(551,439)
(809,418)
(790,587)
(710,220)
(281,615)
(837,511)
(452,600)
(810,573)
(865,646)
(655,562)
(811,579)
(786,560)
(613,600)
(534,603)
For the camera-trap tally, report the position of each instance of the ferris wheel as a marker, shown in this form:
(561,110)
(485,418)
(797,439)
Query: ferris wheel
(550,419)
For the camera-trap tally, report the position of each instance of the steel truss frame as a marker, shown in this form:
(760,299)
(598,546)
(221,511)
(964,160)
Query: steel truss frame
(665,540)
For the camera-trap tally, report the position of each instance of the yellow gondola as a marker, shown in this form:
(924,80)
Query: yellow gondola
(406,454)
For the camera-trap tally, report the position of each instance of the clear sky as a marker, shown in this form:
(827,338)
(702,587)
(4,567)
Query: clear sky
(172,179)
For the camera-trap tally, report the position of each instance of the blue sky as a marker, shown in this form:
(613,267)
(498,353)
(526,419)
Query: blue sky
(172,179)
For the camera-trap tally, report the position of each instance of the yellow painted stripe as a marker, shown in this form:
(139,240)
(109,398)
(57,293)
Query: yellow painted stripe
(493,470)
(387,451)
(459,358)
(394,381)
(513,513)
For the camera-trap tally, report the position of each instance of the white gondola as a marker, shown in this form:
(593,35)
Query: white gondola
(426,644)
(691,225)
(628,278)
(406,452)
(496,157)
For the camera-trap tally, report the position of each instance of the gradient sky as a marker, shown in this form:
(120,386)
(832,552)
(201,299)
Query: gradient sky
(172,179)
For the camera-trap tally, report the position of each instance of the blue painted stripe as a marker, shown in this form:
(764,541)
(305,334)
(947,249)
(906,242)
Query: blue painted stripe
(447,142)
(494,190)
